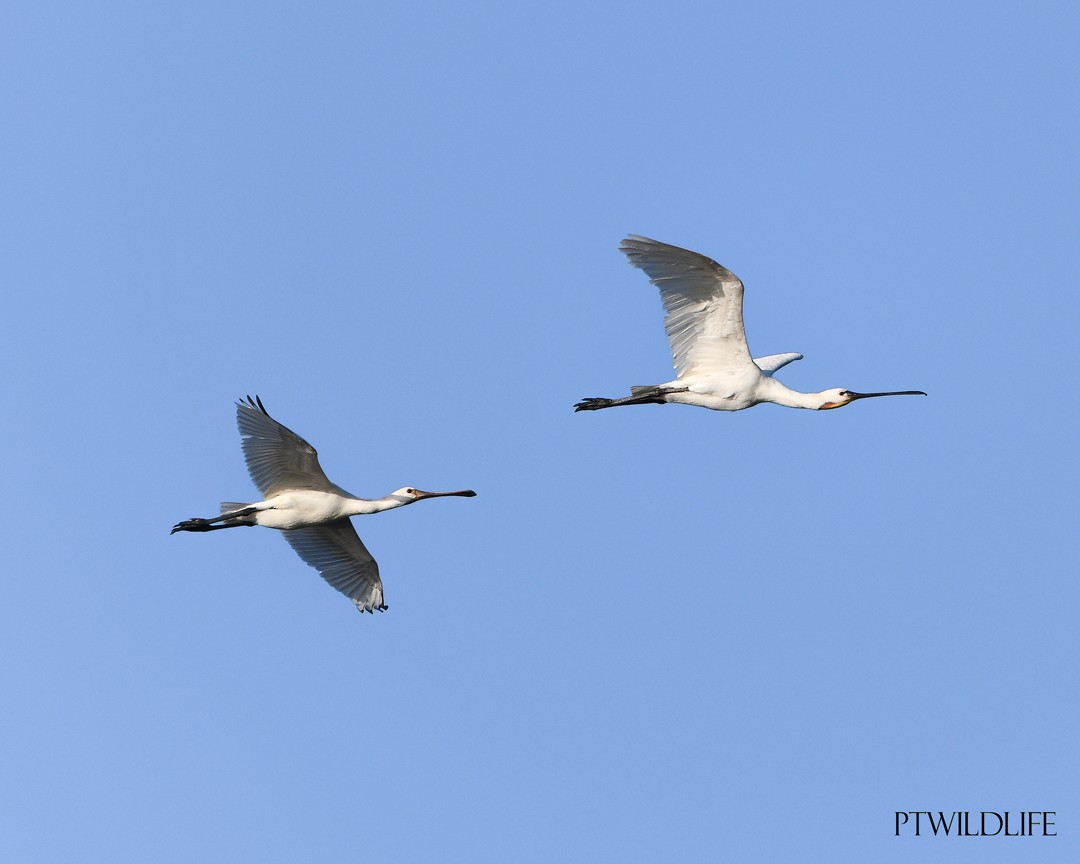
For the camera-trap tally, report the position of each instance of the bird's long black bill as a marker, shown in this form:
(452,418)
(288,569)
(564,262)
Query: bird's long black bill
(855,396)
(463,493)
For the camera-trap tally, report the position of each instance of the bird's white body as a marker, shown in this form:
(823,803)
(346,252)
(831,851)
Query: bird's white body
(302,508)
(704,324)
(311,512)
(745,389)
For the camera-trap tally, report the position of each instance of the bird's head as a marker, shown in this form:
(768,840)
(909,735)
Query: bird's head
(838,398)
(410,494)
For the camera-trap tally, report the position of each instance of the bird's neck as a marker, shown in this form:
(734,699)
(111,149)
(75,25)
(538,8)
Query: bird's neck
(367,506)
(781,395)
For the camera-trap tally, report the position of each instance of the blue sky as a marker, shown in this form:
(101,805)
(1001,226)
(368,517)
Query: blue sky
(657,634)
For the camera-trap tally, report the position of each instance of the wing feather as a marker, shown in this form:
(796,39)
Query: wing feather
(277,458)
(772,362)
(336,551)
(703,305)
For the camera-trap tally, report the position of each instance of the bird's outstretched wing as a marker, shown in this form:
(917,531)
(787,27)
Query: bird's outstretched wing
(277,458)
(772,362)
(703,302)
(335,550)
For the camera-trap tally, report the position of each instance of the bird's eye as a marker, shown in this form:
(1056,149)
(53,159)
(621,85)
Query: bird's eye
(410,491)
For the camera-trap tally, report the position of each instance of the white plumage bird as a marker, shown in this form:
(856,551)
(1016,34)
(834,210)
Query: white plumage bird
(312,513)
(704,323)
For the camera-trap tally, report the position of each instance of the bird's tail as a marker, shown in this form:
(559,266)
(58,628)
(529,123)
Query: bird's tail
(232,507)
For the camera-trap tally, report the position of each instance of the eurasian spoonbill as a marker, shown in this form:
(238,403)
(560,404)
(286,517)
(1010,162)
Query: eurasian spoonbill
(311,512)
(704,323)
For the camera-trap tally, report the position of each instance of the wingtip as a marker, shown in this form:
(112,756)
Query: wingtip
(252,404)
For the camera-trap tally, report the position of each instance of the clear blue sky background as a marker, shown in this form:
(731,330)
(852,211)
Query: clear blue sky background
(657,634)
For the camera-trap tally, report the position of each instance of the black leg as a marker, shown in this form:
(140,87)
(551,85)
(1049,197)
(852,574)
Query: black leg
(203,525)
(197,524)
(595,403)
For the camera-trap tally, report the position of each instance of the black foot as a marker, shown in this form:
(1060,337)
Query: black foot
(593,403)
(192,525)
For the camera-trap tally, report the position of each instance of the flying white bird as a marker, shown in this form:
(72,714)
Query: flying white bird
(312,513)
(704,324)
